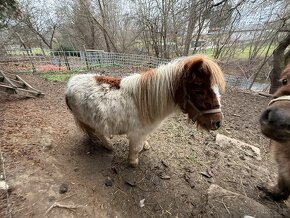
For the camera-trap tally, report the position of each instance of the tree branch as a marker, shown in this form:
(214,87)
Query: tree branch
(219,3)
(106,32)
(52,35)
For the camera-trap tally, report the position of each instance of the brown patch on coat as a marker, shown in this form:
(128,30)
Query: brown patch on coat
(114,82)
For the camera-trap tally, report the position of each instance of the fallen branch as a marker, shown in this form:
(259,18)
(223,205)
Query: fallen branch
(225,206)
(55,204)
(265,94)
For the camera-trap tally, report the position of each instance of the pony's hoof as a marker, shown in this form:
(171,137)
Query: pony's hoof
(134,163)
(108,147)
(263,188)
(97,142)
(146,146)
(272,193)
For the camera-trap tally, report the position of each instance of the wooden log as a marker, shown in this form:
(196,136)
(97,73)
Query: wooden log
(35,93)
(7,80)
(8,89)
(15,84)
(26,84)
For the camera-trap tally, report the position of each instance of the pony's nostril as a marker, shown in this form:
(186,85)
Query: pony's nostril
(265,115)
(218,124)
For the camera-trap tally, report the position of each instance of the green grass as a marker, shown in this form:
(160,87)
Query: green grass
(36,51)
(208,52)
(58,76)
(241,53)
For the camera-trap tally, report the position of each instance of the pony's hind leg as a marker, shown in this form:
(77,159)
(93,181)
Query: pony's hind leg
(95,136)
(104,140)
(146,145)
(136,145)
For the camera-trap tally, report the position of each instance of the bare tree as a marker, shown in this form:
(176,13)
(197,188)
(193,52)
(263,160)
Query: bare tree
(37,21)
(9,9)
(190,27)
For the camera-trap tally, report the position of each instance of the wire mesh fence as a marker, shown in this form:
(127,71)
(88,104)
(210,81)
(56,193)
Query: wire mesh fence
(21,60)
(28,61)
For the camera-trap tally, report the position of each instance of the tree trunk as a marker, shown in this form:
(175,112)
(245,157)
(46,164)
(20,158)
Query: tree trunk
(27,51)
(104,25)
(278,63)
(190,28)
(287,57)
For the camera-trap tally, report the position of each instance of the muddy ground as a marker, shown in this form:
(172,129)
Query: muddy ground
(53,170)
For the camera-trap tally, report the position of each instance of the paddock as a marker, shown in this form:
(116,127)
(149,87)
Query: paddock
(53,170)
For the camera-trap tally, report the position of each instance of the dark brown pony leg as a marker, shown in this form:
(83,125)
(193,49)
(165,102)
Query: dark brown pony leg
(281,190)
(278,192)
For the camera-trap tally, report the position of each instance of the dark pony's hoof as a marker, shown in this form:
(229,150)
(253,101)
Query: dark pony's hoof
(272,193)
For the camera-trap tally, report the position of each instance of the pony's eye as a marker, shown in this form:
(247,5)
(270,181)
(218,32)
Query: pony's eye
(198,83)
(284,82)
(200,92)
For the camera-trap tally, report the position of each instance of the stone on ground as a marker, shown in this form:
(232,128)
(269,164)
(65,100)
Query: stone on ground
(247,149)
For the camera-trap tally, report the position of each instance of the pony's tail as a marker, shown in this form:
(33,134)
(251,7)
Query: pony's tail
(67,104)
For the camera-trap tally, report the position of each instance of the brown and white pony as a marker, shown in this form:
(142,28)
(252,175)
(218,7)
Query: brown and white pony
(136,105)
(275,124)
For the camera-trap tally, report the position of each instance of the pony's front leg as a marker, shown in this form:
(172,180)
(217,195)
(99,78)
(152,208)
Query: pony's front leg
(136,144)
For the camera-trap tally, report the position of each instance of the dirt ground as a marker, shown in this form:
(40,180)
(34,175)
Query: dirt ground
(53,170)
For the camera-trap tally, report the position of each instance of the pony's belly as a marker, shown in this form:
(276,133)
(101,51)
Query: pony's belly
(112,121)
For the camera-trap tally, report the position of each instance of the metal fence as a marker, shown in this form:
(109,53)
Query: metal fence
(244,83)
(29,61)
(39,61)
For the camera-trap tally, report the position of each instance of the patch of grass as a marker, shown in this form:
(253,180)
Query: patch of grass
(36,51)
(241,53)
(58,76)
(208,52)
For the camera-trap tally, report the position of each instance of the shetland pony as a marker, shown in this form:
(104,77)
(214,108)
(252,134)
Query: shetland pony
(136,105)
(275,124)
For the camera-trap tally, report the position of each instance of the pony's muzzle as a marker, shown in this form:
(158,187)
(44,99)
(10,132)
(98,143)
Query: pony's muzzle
(276,117)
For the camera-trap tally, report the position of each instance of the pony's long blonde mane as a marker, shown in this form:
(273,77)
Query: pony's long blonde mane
(155,88)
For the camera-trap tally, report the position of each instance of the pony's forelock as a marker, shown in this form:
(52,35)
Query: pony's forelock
(208,64)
